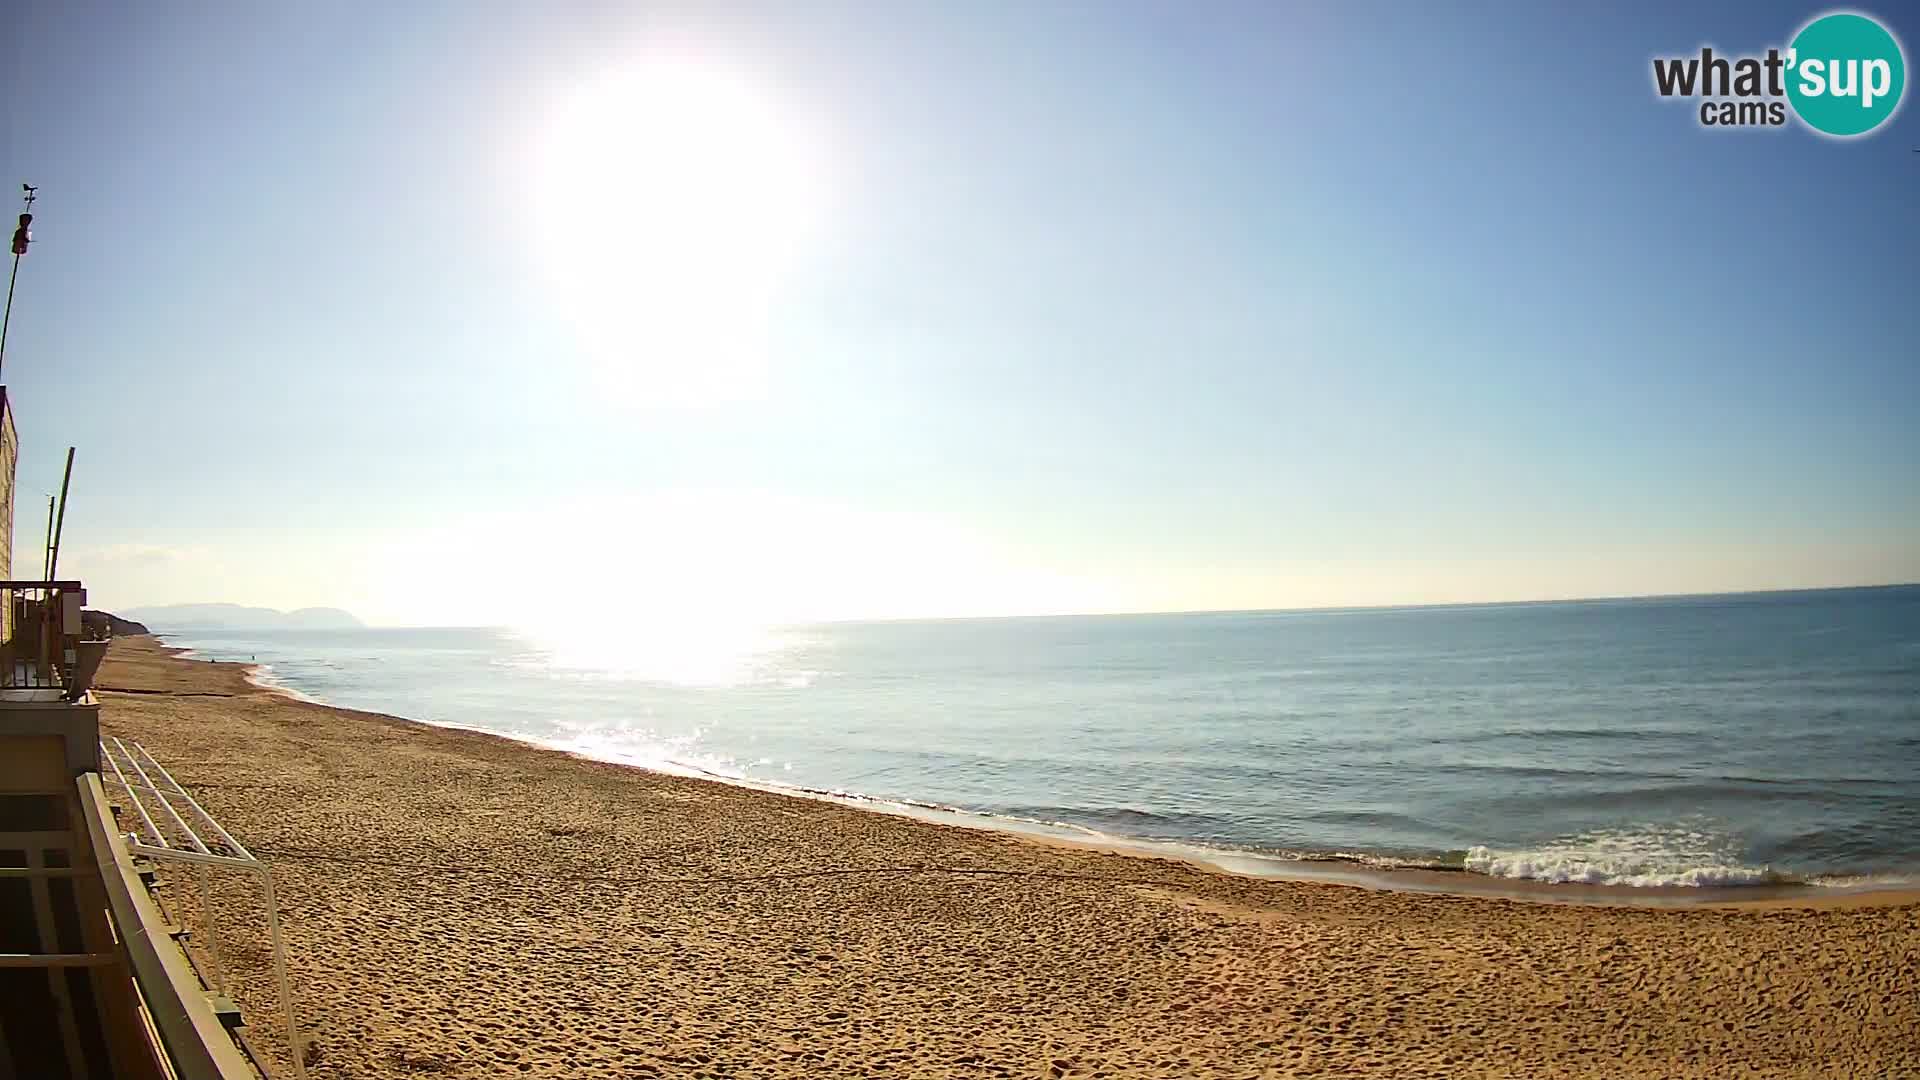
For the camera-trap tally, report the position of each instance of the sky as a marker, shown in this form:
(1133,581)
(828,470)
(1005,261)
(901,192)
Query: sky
(478,313)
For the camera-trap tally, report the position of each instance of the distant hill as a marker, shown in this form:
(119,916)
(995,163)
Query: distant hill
(105,624)
(236,617)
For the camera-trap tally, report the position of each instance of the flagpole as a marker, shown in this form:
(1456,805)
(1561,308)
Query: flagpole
(20,240)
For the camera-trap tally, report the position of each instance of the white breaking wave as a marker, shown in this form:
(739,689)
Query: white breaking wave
(1562,869)
(263,676)
(1645,857)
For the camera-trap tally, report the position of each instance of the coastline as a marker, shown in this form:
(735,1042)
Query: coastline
(467,904)
(1357,870)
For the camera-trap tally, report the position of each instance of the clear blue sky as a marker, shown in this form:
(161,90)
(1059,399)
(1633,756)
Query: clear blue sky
(1099,306)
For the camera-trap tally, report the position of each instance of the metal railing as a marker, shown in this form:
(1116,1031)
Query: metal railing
(171,826)
(188,1033)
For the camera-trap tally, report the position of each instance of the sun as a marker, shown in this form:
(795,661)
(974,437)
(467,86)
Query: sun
(676,199)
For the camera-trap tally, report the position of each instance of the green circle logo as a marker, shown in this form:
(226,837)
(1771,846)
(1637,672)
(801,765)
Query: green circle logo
(1846,74)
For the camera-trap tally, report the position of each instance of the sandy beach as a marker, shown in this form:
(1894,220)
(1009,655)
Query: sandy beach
(462,905)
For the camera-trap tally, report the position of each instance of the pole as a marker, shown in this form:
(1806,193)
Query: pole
(8,318)
(19,249)
(53,561)
(279,946)
(46,556)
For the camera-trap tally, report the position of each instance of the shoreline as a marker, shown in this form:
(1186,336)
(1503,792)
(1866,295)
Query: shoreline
(459,903)
(1238,862)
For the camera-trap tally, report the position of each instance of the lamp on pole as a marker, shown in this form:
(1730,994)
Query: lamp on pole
(21,238)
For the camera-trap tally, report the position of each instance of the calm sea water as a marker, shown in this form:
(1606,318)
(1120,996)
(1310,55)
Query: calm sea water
(1709,740)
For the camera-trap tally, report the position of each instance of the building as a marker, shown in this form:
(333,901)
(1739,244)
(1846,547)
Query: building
(94,981)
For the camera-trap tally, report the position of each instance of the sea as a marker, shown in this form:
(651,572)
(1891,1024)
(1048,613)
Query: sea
(1728,740)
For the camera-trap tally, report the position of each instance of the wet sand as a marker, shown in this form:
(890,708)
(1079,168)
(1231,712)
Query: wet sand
(462,905)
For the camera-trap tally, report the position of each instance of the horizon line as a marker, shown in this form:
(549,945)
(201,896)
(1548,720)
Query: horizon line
(1341,608)
(1311,609)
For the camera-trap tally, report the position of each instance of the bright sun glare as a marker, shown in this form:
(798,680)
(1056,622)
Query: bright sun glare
(677,198)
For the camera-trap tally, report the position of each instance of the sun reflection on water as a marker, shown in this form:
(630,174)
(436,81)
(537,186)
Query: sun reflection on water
(686,654)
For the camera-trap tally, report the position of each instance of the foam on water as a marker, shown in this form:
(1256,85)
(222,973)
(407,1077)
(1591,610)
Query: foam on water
(626,745)
(262,675)
(1557,868)
(1650,856)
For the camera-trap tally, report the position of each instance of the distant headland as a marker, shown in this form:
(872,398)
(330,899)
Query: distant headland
(238,617)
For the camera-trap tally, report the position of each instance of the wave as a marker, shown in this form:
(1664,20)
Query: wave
(1574,868)
(264,677)
(1635,735)
(1121,817)
(1692,853)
